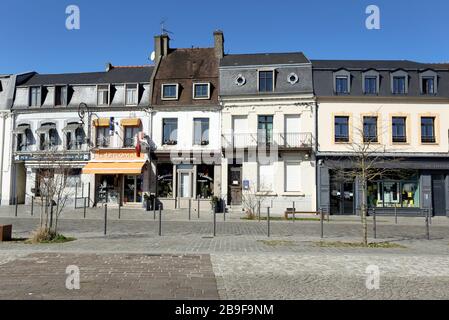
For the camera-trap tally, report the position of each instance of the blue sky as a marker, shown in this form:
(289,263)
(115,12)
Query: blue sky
(34,36)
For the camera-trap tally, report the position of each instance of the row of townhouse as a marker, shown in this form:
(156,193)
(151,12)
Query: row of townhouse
(200,123)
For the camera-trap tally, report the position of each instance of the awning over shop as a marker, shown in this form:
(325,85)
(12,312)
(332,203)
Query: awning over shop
(113,168)
(101,122)
(72,127)
(21,129)
(135,122)
(45,128)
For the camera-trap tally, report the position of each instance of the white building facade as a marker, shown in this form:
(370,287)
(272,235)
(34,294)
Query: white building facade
(87,123)
(268,124)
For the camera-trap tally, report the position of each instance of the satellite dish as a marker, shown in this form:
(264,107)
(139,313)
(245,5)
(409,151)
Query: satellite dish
(153,56)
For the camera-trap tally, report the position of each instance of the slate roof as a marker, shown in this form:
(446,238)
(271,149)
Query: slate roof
(191,63)
(263,59)
(375,64)
(115,75)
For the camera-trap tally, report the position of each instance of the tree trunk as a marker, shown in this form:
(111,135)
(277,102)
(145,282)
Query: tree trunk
(364,214)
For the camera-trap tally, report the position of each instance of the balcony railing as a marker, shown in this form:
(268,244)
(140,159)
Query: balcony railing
(103,142)
(292,140)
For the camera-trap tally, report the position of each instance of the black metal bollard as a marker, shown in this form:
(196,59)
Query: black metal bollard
(190,209)
(215,220)
(119,211)
(268,222)
(427,212)
(17,206)
(105,218)
(84,213)
(154,208)
(374,224)
(32,206)
(396,215)
(322,222)
(160,220)
(198,207)
(258,209)
(76,193)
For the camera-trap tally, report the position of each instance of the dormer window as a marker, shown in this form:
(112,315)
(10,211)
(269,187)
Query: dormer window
(131,94)
(371,85)
(399,85)
(103,95)
(428,85)
(342,82)
(35,96)
(428,82)
(60,95)
(170,91)
(266,81)
(399,82)
(370,82)
(342,85)
(201,90)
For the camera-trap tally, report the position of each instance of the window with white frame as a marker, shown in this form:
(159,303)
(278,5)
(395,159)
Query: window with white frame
(131,94)
(201,90)
(170,91)
(266,177)
(266,80)
(428,82)
(35,96)
(292,176)
(103,95)
(60,95)
(201,131)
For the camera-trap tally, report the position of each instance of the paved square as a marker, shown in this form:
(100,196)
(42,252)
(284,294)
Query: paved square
(109,276)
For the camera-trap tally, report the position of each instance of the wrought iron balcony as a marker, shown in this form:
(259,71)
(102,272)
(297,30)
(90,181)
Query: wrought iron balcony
(290,140)
(103,142)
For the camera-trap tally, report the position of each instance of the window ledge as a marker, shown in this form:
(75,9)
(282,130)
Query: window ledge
(266,193)
(294,194)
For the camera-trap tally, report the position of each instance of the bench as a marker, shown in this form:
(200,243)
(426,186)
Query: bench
(5,232)
(293,212)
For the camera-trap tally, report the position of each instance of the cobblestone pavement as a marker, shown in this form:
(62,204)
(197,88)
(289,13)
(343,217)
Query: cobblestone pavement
(106,276)
(313,276)
(244,262)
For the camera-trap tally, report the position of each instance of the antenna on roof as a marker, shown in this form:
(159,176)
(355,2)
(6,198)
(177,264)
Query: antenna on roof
(163,30)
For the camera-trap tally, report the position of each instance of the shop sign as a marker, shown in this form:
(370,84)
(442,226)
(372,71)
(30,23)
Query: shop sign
(117,155)
(56,157)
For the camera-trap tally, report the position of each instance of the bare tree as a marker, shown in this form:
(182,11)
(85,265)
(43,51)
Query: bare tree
(53,190)
(252,197)
(367,160)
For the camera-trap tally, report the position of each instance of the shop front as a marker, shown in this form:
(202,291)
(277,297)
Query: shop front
(407,187)
(119,177)
(178,182)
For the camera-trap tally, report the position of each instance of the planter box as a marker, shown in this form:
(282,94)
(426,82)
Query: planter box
(5,233)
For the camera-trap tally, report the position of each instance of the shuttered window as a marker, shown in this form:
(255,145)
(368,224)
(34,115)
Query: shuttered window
(292,176)
(266,177)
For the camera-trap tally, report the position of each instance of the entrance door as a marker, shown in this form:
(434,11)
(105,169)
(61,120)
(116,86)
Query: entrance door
(438,195)
(185,185)
(235,185)
(132,189)
(342,198)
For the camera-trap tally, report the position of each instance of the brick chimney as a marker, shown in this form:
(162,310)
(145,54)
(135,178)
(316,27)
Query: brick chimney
(219,44)
(161,45)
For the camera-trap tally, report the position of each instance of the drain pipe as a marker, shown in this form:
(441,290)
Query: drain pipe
(2,147)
